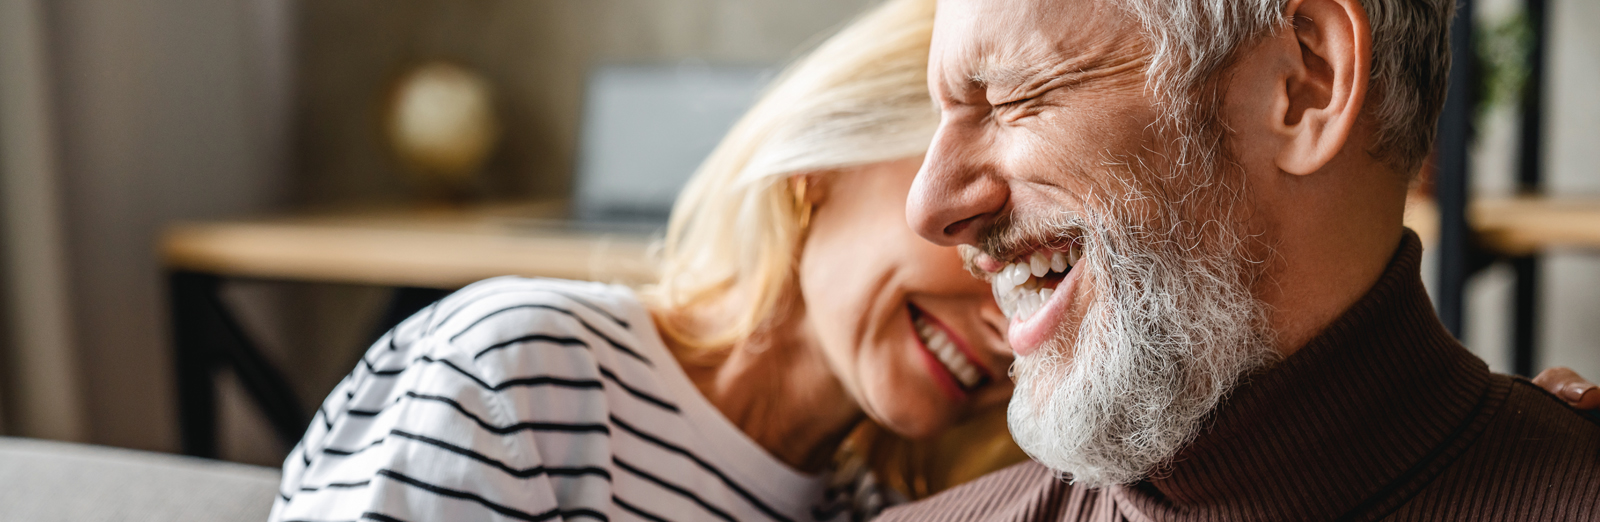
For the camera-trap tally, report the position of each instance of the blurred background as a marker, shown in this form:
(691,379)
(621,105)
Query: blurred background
(139,137)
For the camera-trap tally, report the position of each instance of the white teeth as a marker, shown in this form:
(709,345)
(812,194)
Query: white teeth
(1038,265)
(1030,303)
(969,377)
(1017,287)
(948,353)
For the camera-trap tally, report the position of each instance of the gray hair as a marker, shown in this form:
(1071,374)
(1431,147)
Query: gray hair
(1193,41)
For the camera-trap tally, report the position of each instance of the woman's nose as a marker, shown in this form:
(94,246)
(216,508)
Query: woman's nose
(956,195)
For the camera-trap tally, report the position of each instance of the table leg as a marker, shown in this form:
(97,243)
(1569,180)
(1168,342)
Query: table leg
(194,362)
(207,336)
(260,379)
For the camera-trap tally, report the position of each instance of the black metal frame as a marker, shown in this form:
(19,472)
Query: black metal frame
(1459,255)
(1451,183)
(1530,175)
(207,339)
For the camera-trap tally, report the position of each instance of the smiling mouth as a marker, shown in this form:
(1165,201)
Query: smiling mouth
(968,374)
(1024,286)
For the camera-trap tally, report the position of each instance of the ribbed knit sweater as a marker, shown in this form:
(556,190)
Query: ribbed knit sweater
(1383,415)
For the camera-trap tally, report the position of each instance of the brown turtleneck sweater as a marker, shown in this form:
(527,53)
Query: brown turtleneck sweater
(1382,416)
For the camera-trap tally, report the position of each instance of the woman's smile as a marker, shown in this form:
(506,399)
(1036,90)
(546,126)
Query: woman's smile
(912,336)
(949,357)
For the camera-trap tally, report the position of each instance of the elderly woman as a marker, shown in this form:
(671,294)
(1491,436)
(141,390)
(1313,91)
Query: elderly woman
(796,320)
(799,335)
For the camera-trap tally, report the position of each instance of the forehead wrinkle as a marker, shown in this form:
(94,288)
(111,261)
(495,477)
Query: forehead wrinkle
(988,57)
(1009,65)
(1032,69)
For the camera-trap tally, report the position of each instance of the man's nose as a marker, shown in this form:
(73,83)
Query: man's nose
(957,194)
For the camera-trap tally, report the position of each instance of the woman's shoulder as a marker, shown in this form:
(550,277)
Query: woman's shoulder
(503,351)
(504,376)
(486,297)
(517,303)
(495,321)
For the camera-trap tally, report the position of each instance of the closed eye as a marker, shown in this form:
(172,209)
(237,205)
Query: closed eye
(1017,109)
(1012,104)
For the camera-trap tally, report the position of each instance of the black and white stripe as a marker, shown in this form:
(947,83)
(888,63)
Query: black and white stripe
(520,399)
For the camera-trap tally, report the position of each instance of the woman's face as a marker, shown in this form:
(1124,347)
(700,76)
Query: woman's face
(916,340)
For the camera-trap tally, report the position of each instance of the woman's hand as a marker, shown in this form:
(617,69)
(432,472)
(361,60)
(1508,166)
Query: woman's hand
(1570,387)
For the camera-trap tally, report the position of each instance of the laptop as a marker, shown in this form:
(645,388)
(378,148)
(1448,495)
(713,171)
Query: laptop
(645,129)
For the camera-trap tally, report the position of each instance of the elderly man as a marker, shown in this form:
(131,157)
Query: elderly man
(1246,336)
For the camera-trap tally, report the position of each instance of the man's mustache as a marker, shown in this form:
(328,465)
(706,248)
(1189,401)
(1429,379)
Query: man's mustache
(1013,236)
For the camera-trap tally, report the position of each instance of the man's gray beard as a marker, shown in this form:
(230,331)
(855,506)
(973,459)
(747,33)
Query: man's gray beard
(1168,335)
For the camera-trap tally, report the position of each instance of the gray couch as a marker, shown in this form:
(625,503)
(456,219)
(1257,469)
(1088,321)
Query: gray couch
(44,481)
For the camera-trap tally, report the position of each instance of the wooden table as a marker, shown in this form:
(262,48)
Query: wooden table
(1519,226)
(1528,225)
(424,253)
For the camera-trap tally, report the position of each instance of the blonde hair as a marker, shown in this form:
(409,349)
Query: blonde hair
(735,235)
(861,97)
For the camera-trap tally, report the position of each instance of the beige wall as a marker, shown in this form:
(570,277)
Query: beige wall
(42,396)
(166,111)
(535,53)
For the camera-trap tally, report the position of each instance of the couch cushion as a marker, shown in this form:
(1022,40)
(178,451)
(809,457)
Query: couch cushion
(49,481)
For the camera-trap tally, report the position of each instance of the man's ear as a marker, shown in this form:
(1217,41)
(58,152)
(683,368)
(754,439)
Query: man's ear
(1326,86)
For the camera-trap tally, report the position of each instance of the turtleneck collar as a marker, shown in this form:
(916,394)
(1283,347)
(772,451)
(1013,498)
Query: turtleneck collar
(1365,410)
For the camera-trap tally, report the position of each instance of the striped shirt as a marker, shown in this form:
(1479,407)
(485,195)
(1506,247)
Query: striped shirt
(524,399)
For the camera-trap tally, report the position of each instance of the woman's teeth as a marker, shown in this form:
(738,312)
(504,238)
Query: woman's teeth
(1017,287)
(945,350)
